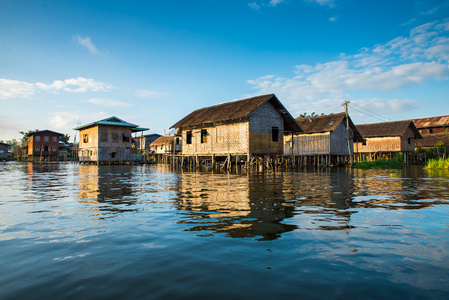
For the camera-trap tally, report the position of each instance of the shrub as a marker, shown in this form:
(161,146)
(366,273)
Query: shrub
(397,162)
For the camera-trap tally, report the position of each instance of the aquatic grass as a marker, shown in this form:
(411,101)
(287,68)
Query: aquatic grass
(437,164)
(397,162)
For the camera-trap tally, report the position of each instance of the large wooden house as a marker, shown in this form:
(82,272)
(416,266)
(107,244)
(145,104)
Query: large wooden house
(253,126)
(43,145)
(324,140)
(106,141)
(435,132)
(386,139)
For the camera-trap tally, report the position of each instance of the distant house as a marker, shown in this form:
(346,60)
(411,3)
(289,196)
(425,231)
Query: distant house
(106,141)
(4,151)
(166,145)
(323,140)
(43,145)
(143,142)
(386,139)
(253,126)
(433,130)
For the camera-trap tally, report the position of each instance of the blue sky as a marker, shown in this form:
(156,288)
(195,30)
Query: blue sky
(64,63)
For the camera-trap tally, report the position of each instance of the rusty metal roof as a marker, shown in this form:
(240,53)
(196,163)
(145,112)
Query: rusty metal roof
(432,122)
(236,110)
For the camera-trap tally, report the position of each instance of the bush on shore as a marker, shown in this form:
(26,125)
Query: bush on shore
(396,162)
(437,164)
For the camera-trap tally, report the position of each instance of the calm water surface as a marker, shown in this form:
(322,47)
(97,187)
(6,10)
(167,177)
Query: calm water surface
(70,231)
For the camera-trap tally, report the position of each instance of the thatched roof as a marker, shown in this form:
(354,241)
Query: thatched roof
(236,110)
(328,123)
(388,129)
(163,140)
(432,122)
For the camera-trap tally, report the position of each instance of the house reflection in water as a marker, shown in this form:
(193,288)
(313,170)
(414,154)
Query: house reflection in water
(266,205)
(230,204)
(106,190)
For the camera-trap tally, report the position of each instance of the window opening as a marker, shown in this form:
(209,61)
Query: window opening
(189,137)
(275,134)
(203,136)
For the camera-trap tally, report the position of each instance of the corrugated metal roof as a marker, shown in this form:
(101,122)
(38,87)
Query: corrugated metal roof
(236,110)
(112,121)
(387,129)
(432,122)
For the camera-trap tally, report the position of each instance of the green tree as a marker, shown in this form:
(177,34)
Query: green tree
(313,114)
(24,140)
(65,138)
(15,147)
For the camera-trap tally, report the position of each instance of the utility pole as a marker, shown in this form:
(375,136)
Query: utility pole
(345,104)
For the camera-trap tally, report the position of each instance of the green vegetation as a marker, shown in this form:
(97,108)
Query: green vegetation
(438,164)
(313,114)
(396,162)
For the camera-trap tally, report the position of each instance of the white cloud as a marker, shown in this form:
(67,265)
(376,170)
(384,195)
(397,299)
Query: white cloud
(76,85)
(14,88)
(86,42)
(275,2)
(107,102)
(149,94)
(330,3)
(400,63)
(62,120)
(254,5)
(333,19)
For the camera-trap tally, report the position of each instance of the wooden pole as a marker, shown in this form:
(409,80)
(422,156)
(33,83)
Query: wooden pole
(345,104)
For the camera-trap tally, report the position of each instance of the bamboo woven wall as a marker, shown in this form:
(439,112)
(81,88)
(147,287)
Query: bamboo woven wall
(239,137)
(230,138)
(262,143)
(308,144)
(381,144)
(339,141)
(327,143)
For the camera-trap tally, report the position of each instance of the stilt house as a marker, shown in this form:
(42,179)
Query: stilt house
(253,126)
(43,145)
(106,141)
(434,130)
(324,140)
(143,142)
(386,139)
(166,145)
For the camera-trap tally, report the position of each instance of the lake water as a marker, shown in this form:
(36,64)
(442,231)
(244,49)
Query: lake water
(70,231)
